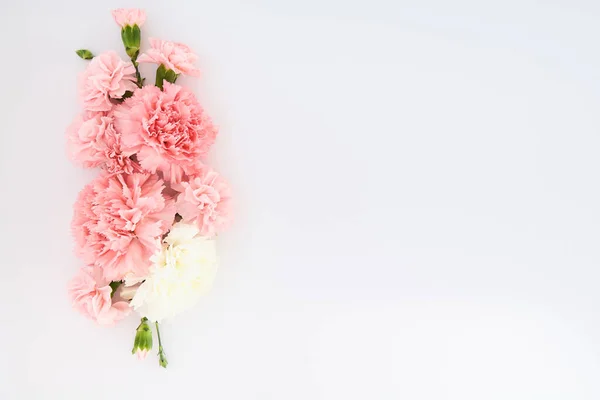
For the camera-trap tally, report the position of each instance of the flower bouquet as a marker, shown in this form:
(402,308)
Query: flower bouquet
(145,227)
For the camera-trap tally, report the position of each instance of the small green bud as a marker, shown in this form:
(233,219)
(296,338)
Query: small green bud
(143,339)
(85,54)
(162,359)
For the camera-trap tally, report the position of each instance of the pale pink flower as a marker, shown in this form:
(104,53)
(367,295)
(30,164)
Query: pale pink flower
(92,141)
(118,223)
(129,16)
(90,294)
(167,130)
(176,56)
(205,200)
(141,354)
(106,77)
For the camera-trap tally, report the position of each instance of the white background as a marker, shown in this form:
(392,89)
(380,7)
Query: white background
(417,202)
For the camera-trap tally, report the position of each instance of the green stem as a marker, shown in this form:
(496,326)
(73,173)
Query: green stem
(158,333)
(162,359)
(138,76)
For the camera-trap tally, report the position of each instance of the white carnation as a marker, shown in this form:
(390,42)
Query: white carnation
(181,272)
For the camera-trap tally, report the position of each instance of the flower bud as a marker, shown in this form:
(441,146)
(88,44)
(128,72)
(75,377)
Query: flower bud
(162,359)
(143,340)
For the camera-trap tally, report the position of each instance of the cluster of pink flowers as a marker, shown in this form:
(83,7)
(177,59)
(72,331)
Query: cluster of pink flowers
(149,144)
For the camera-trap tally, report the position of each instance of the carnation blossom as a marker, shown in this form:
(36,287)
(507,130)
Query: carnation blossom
(181,272)
(129,16)
(106,77)
(167,130)
(176,56)
(205,201)
(150,143)
(91,293)
(118,222)
(94,142)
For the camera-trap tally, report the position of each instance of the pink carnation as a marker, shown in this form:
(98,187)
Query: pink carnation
(167,129)
(175,56)
(129,16)
(205,200)
(106,77)
(91,295)
(118,223)
(93,142)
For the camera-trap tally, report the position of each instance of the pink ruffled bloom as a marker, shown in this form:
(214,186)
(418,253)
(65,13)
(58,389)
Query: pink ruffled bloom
(176,56)
(129,16)
(106,77)
(168,129)
(92,141)
(90,294)
(118,223)
(205,200)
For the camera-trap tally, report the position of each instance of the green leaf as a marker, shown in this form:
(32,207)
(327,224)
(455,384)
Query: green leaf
(85,54)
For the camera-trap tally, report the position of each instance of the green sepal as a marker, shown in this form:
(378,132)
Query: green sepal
(164,74)
(132,52)
(85,54)
(137,35)
(171,76)
(160,76)
(143,337)
(131,36)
